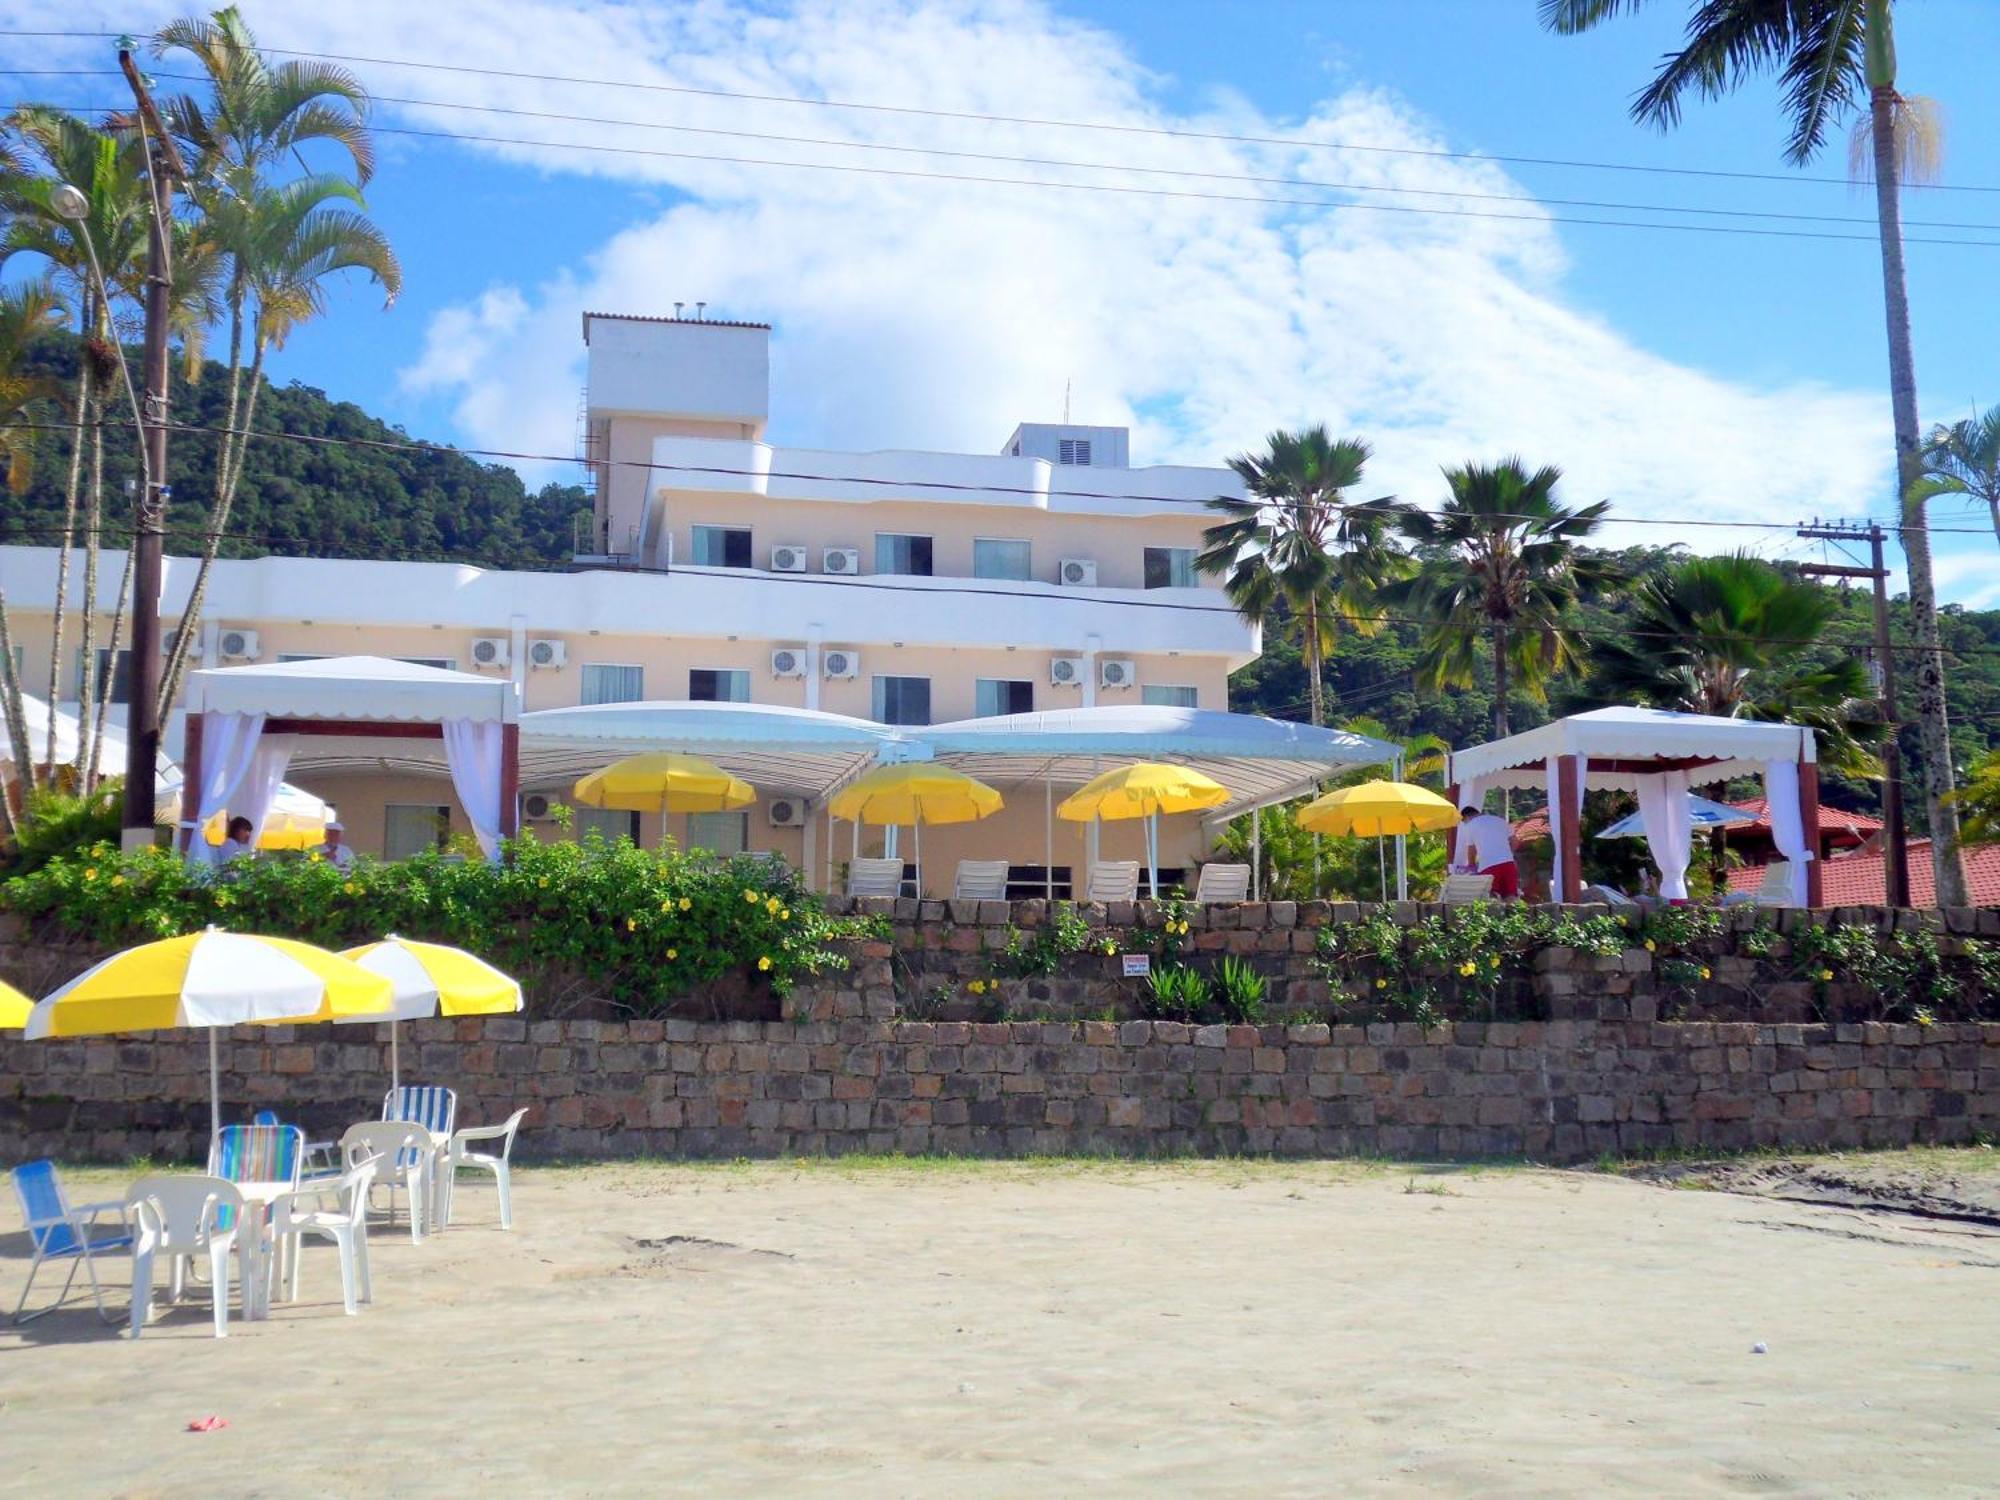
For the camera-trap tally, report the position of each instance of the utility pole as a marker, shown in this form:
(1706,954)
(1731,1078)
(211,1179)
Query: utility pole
(1895,834)
(142,754)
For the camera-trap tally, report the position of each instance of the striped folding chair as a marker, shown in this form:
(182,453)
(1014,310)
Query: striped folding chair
(436,1109)
(255,1153)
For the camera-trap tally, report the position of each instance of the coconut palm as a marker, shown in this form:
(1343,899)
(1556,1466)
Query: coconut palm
(1297,547)
(1499,567)
(1980,798)
(1832,55)
(27,400)
(1964,459)
(1728,636)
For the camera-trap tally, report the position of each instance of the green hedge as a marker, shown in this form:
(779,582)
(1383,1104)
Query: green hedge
(637,927)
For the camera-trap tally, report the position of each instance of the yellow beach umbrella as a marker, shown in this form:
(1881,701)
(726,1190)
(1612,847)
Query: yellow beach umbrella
(1144,789)
(430,979)
(1377,809)
(916,793)
(297,820)
(210,979)
(664,781)
(14,1007)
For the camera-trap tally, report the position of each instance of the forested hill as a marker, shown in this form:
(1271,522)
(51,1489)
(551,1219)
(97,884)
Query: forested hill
(324,499)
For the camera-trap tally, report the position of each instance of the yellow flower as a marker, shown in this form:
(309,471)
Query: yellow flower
(1495,961)
(666,906)
(1651,946)
(1468,969)
(784,914)
(772,906)
(687,904)
(350,887)
(1109,947)
(751,897)
(1826,973)
(117,879)
(543,882)
(977,987)
(1381,984)
(631,924)
(673,953)
(313,858)
(763,964)
(1706,973)
(91,873)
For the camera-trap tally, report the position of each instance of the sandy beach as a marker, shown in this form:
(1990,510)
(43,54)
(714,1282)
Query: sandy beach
(1011,1329)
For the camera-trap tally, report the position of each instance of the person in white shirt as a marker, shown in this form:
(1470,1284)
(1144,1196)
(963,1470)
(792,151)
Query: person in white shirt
(1486,847)
(239,842)
(335,851)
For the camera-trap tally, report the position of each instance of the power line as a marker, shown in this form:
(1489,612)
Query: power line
(1110,127)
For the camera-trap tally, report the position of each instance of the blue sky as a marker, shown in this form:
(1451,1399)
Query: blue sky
(1714,376)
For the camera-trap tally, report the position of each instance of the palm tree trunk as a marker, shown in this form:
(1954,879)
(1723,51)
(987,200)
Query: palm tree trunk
(1315,692)
(1933,725)
(17,722)
(70,495)
(1993,504)
(117,629)
(1499,682)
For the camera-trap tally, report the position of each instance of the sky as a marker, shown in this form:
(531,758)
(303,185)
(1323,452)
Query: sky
(1687,376)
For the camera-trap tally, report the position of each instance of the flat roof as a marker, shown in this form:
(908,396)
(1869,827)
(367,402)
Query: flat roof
(657,318)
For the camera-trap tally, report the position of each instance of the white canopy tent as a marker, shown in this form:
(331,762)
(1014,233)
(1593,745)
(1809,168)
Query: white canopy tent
(1658,755)
(245,726)
(109,753)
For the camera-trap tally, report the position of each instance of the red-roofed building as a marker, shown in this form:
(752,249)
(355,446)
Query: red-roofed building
(1856,879)
(1839,830)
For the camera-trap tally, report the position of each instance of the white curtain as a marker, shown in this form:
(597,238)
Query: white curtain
(1663,808)
(1788,826)
(229,745)
(261,782)
(473,749)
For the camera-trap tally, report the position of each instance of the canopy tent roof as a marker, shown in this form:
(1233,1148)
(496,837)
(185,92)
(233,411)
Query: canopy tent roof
(1623,744)
(801,751)
(1260,760)
(109,751)
(360,689)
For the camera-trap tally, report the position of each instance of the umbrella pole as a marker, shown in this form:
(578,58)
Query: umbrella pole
(919,837)
(214,1085)
(1381,869)
(395,1061)
(1153,852)
(1049,839)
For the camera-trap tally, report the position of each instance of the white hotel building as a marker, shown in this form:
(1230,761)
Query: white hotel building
(905,587)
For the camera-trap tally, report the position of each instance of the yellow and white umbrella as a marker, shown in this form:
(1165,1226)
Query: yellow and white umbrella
(210,979)
(1379,808)
(664,781)
(1144,789)
(430,979)
(14,1007)
(916,792)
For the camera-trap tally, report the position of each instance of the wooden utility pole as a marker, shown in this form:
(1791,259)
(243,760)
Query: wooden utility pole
(1895,833)
(142,739)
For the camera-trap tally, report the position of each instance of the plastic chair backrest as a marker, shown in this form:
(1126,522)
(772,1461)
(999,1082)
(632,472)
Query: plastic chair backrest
(426,1104)
(258,1153)
(42,1203)
(1463,889)
(179,1213)
(1775,889)
(980,880)
(1222,883)
(874,877)
(394,1141)
(1114,880)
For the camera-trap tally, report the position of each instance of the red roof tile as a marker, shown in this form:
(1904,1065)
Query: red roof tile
(1856,879)
(1833,820)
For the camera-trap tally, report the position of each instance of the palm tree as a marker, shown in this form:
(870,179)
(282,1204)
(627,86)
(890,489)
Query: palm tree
(1980,797)
(27,312)
(1964,459)
(1500,565)
(276,238)
(1727,636)
(1830,55)
(1298,546)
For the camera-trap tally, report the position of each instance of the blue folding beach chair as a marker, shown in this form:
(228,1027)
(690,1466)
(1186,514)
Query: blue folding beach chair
(59,1232)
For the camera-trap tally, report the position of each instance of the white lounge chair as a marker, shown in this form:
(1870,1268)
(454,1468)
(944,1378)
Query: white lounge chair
(1222,885)
(409,1160)
(1114,880)
(295,1215)
(1463,890)
(980,880)
(57,1231)
(496,1163)
(181,1218)
(875,877)
(1609,895)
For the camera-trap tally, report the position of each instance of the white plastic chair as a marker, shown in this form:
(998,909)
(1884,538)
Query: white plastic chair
(60,1232)
(1114,880)
(1776,887)
(494,1162)
(182,1217)
(980,880)
(408,1159)
(1463,889)
(298,1214)
(1222,885)
(875,877)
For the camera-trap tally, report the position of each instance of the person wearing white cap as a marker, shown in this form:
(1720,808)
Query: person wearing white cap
(335,851)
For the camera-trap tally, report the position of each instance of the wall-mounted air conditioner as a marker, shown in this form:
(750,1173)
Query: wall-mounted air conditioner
(786,812)
(537,807)
(491,651)
(789,557)
(842,664)
(788,661)
(1115,672)
(1066,671)
(238,645)
(1078,572)
(845,561)
(547,654)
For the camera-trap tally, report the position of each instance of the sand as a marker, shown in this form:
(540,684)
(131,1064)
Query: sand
(959,1329)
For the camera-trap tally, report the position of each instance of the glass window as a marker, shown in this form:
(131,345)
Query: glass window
(903,700)
(412,828)
(705,686)
(610,684)
(896,553)
(1170,568)
(608,822)
(994,696)
(1000,559)
(1157,695)
(119,681)
(721,547)
(721,832)
(444,663)
(285,656)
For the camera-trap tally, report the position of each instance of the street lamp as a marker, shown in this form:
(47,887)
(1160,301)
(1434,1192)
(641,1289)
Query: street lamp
(69,202)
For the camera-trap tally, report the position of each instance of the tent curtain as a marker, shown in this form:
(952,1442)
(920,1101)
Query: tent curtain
(1663,808)
(473,749)
(1788,825)
(229,743)
(261,782)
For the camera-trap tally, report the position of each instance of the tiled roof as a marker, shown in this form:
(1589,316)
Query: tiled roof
(1831,820)
(1856,879)
(649,318)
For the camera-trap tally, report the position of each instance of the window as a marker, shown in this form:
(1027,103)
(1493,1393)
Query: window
(992,558)
(1073,451)
(903,700)
(409,828)
(993,696)
(705,686)
(119,681)
(896,553)
(1156,695)
(721,547)
(1170,568)
(608,822)
(442,663)
(611,684)
(719,832)
(285,656)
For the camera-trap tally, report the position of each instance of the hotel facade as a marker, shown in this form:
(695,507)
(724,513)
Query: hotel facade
(909,588)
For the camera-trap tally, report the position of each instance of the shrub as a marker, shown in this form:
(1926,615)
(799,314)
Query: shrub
(1240,988)
(1176,994)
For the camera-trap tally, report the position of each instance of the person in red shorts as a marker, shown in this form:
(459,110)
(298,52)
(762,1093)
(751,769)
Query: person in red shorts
(1486,847)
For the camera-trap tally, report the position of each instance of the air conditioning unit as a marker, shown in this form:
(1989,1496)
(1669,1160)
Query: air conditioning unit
(549,654)
(537,807)
(238,645)
(1078,572)
(843,560)
(1066,671)
(490,650)
(786,812)
(1115,672)
(842,664)
(788,661)
(789,557)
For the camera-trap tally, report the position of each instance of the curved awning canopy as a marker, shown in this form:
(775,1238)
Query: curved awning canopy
(357,689)
(1623,744)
